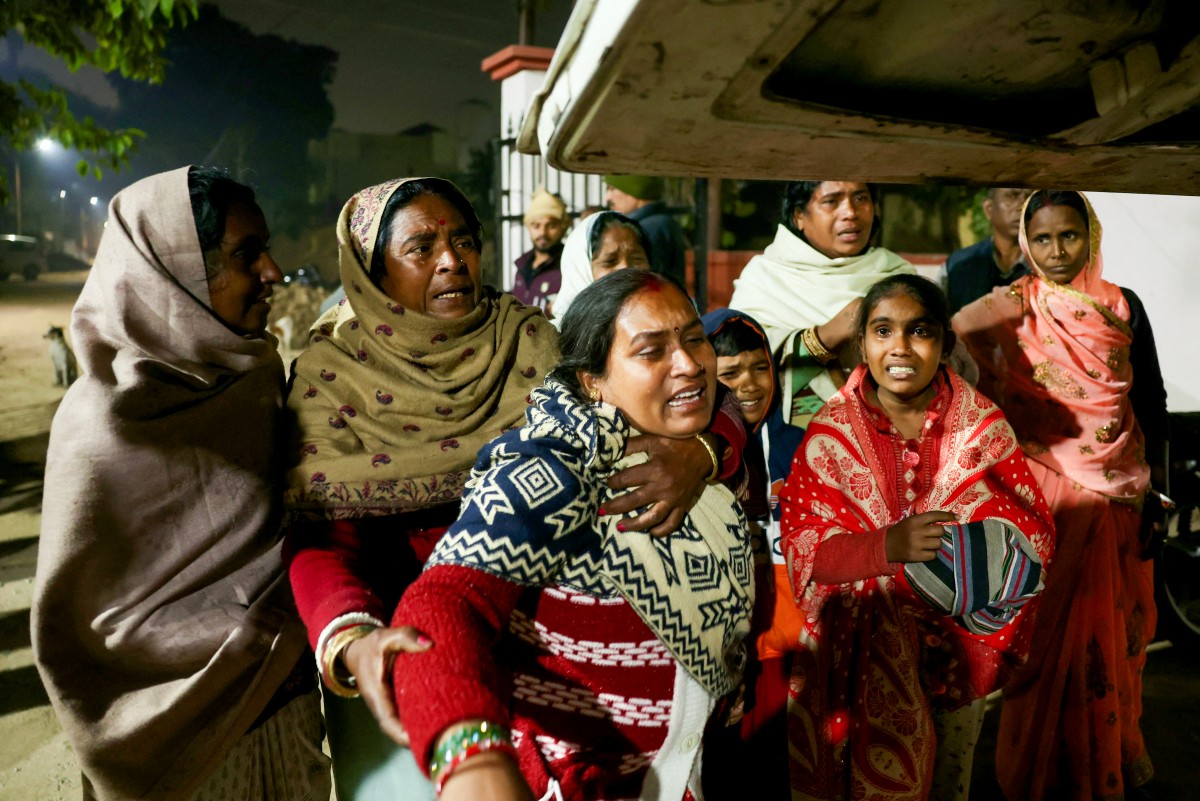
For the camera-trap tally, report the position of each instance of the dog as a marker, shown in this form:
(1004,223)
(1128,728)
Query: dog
(65,370)
(284,330)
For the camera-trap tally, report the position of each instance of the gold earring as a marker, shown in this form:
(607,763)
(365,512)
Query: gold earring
(593,394)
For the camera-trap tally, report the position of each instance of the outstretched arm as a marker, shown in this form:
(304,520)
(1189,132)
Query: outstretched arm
(345,618)
(464,611)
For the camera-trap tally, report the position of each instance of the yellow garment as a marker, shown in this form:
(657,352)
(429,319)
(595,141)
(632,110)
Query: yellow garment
(392,405)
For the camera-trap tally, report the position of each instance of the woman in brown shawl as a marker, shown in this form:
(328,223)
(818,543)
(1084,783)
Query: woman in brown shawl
(163,625)
(399,388)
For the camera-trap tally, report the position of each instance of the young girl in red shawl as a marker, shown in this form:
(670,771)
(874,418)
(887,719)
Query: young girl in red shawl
(1058,350)
(909,491)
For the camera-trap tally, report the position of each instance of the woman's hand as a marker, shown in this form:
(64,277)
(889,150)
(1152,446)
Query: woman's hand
(843,328)
(490,776)
(369,660)
(669,484)
(917,538)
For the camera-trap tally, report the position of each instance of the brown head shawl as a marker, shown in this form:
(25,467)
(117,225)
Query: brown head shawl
(162,622)
(392,405)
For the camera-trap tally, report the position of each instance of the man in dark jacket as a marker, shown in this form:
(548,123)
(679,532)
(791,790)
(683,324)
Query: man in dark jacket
(640,198)
(538,277)
(995,261)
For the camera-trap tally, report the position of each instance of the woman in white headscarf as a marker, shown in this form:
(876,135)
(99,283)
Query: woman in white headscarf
(805,288)
(606,241)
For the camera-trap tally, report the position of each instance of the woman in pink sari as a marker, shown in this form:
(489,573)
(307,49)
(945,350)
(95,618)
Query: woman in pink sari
(1058,351)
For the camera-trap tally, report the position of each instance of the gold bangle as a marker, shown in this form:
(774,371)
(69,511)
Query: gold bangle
(712,454)
(337,678)
(814,346)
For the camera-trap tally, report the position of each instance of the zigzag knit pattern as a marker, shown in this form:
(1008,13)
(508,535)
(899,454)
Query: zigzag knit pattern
(530,516)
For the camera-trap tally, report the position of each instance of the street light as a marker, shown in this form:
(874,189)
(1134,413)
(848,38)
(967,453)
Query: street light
(43,145)
(93,200)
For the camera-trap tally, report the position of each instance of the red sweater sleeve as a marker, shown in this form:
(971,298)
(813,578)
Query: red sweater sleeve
(322,561)
(852,557)
(464,611)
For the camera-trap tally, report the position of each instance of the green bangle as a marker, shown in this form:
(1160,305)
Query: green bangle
(456,742)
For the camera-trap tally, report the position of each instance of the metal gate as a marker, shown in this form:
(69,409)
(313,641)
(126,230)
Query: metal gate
(517,177)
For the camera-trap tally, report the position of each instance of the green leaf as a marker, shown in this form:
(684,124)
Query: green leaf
(125,36)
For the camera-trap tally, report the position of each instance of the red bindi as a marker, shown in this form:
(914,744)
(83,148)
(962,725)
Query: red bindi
(441,222)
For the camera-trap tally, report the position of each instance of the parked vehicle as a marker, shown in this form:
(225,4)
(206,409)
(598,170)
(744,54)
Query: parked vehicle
(21,255)
(1023,93)
(65,262)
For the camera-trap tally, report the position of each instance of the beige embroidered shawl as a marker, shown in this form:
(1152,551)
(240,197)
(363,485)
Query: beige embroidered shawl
(391,404)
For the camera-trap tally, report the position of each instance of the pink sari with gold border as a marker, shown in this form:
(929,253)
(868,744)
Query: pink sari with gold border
(1055,357)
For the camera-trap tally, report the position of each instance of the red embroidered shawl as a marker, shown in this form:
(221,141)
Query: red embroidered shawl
(978,471)
(875,657)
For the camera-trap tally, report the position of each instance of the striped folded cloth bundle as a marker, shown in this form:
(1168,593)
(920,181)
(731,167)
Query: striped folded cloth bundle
(984,573)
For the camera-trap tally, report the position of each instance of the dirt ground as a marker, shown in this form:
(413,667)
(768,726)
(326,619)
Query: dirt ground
(35,760)
(27,310)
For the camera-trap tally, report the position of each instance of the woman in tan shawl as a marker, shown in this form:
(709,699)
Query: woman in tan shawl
(162,622)
(400,386)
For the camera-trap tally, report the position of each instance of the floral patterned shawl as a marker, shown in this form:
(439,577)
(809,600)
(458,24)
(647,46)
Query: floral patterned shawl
(836,485)
(875,658)
(391,404)
(1055,357)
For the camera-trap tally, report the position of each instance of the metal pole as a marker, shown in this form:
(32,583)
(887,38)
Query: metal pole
(700,246)
(498,233)
(17,187)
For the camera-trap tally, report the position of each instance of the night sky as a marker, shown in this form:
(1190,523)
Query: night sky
(405,62)
(402,62)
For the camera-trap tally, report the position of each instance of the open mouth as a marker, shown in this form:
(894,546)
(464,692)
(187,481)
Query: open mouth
(453,294)
(901,371)
(687,399)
